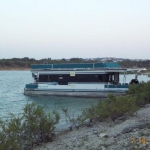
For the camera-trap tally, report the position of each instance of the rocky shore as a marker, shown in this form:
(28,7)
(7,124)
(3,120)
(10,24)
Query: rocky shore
(125,133)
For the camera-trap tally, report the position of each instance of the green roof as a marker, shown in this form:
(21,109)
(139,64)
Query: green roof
(111,65)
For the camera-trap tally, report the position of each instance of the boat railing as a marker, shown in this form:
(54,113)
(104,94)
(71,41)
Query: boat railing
(109,86)
(76,69)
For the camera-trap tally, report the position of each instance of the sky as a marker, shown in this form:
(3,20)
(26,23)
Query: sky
(75,28)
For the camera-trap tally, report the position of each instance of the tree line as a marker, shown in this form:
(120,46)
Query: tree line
(26,62)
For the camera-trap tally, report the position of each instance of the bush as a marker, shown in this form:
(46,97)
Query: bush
(141,92)
(137,96)
(112,108)
(34,126)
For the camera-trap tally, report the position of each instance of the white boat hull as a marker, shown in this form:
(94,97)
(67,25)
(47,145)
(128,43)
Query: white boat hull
(76,90)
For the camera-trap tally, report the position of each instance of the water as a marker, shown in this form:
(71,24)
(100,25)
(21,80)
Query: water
(12,99)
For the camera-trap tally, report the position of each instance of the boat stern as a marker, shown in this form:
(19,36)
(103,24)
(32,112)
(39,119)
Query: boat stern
(30,87)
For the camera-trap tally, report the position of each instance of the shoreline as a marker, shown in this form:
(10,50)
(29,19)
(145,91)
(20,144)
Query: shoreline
(126,133)
(14,69)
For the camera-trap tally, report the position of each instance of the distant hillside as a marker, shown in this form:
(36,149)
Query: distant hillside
(24,63)
(139,64)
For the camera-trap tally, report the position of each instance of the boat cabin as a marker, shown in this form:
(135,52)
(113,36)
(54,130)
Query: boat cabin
(77,73)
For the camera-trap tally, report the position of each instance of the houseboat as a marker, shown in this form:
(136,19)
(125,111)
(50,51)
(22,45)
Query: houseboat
(78,79)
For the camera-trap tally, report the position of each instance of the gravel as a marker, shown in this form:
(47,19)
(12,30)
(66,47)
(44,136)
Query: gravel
(106,135)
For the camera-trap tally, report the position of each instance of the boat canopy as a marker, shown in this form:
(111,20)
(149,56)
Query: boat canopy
(106,65)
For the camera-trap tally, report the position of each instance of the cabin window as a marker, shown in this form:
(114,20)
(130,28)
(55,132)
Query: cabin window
(44,78)
(65,78)
(62,81)
(60,78)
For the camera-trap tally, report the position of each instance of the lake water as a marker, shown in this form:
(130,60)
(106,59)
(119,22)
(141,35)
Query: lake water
(12,99)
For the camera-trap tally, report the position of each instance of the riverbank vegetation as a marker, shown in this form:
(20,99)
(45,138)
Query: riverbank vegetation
(25,63)
(114,107)
(34,126)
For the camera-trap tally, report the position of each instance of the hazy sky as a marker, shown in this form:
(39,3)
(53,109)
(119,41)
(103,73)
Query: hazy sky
(74,28)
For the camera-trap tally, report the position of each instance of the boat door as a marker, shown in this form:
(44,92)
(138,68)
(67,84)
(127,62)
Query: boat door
(116,77)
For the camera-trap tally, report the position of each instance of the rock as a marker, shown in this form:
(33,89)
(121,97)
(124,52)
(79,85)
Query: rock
(70,128)
(135,130)
(116,135)
(89,125)
(86,145)
(103,148)
(104,135)
(67,145)
(143,146)
(144,133)
(122,117)
(95,132)
(135,126)
(147,105)
(117,121)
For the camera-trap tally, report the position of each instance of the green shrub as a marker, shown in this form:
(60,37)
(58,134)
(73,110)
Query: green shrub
(112,108)
(141,92)
(32,127)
